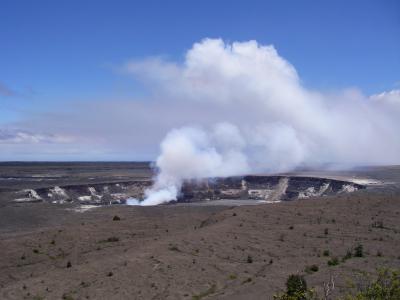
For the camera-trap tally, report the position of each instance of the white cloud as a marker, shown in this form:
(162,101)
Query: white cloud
(280,124)
(252,87)
(270,121)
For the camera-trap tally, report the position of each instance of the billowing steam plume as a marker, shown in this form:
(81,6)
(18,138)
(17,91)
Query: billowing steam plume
(268,120)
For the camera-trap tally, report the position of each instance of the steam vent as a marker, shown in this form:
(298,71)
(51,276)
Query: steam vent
(264,188)
(254,187)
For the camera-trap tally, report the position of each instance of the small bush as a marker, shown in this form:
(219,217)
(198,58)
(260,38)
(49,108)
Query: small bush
(296,289)
(247,280)
(325,253)
(67,297)
(326,231)
(359,251)
(386,286)
(311,269)
(69,265)
(111,239)
(206,293)
(347,256)
(295,284)
(174,248)
(378,224)
(116,218)
(333,261)
(249,259)
(84,284)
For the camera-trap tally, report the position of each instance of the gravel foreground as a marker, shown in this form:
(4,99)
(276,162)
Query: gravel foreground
(195,252)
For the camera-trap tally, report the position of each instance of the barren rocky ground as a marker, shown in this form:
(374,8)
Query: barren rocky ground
(187,251)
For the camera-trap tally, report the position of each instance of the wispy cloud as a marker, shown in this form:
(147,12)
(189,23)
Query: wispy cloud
(25,137)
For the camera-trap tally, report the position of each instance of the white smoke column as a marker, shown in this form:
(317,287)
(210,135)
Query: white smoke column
(191,153)
(270,121)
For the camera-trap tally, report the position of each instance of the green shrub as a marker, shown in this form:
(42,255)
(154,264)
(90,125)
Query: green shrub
(325,253)
(206,293)
(311,269)
(347,256)
(378,224)
(385,287)
(296,289)
(247,280)
(295,283)
(359,251)
(174,248)
(67,297)
(111,239)
(334,261)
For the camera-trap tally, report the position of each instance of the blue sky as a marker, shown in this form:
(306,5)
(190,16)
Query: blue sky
(53,53)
